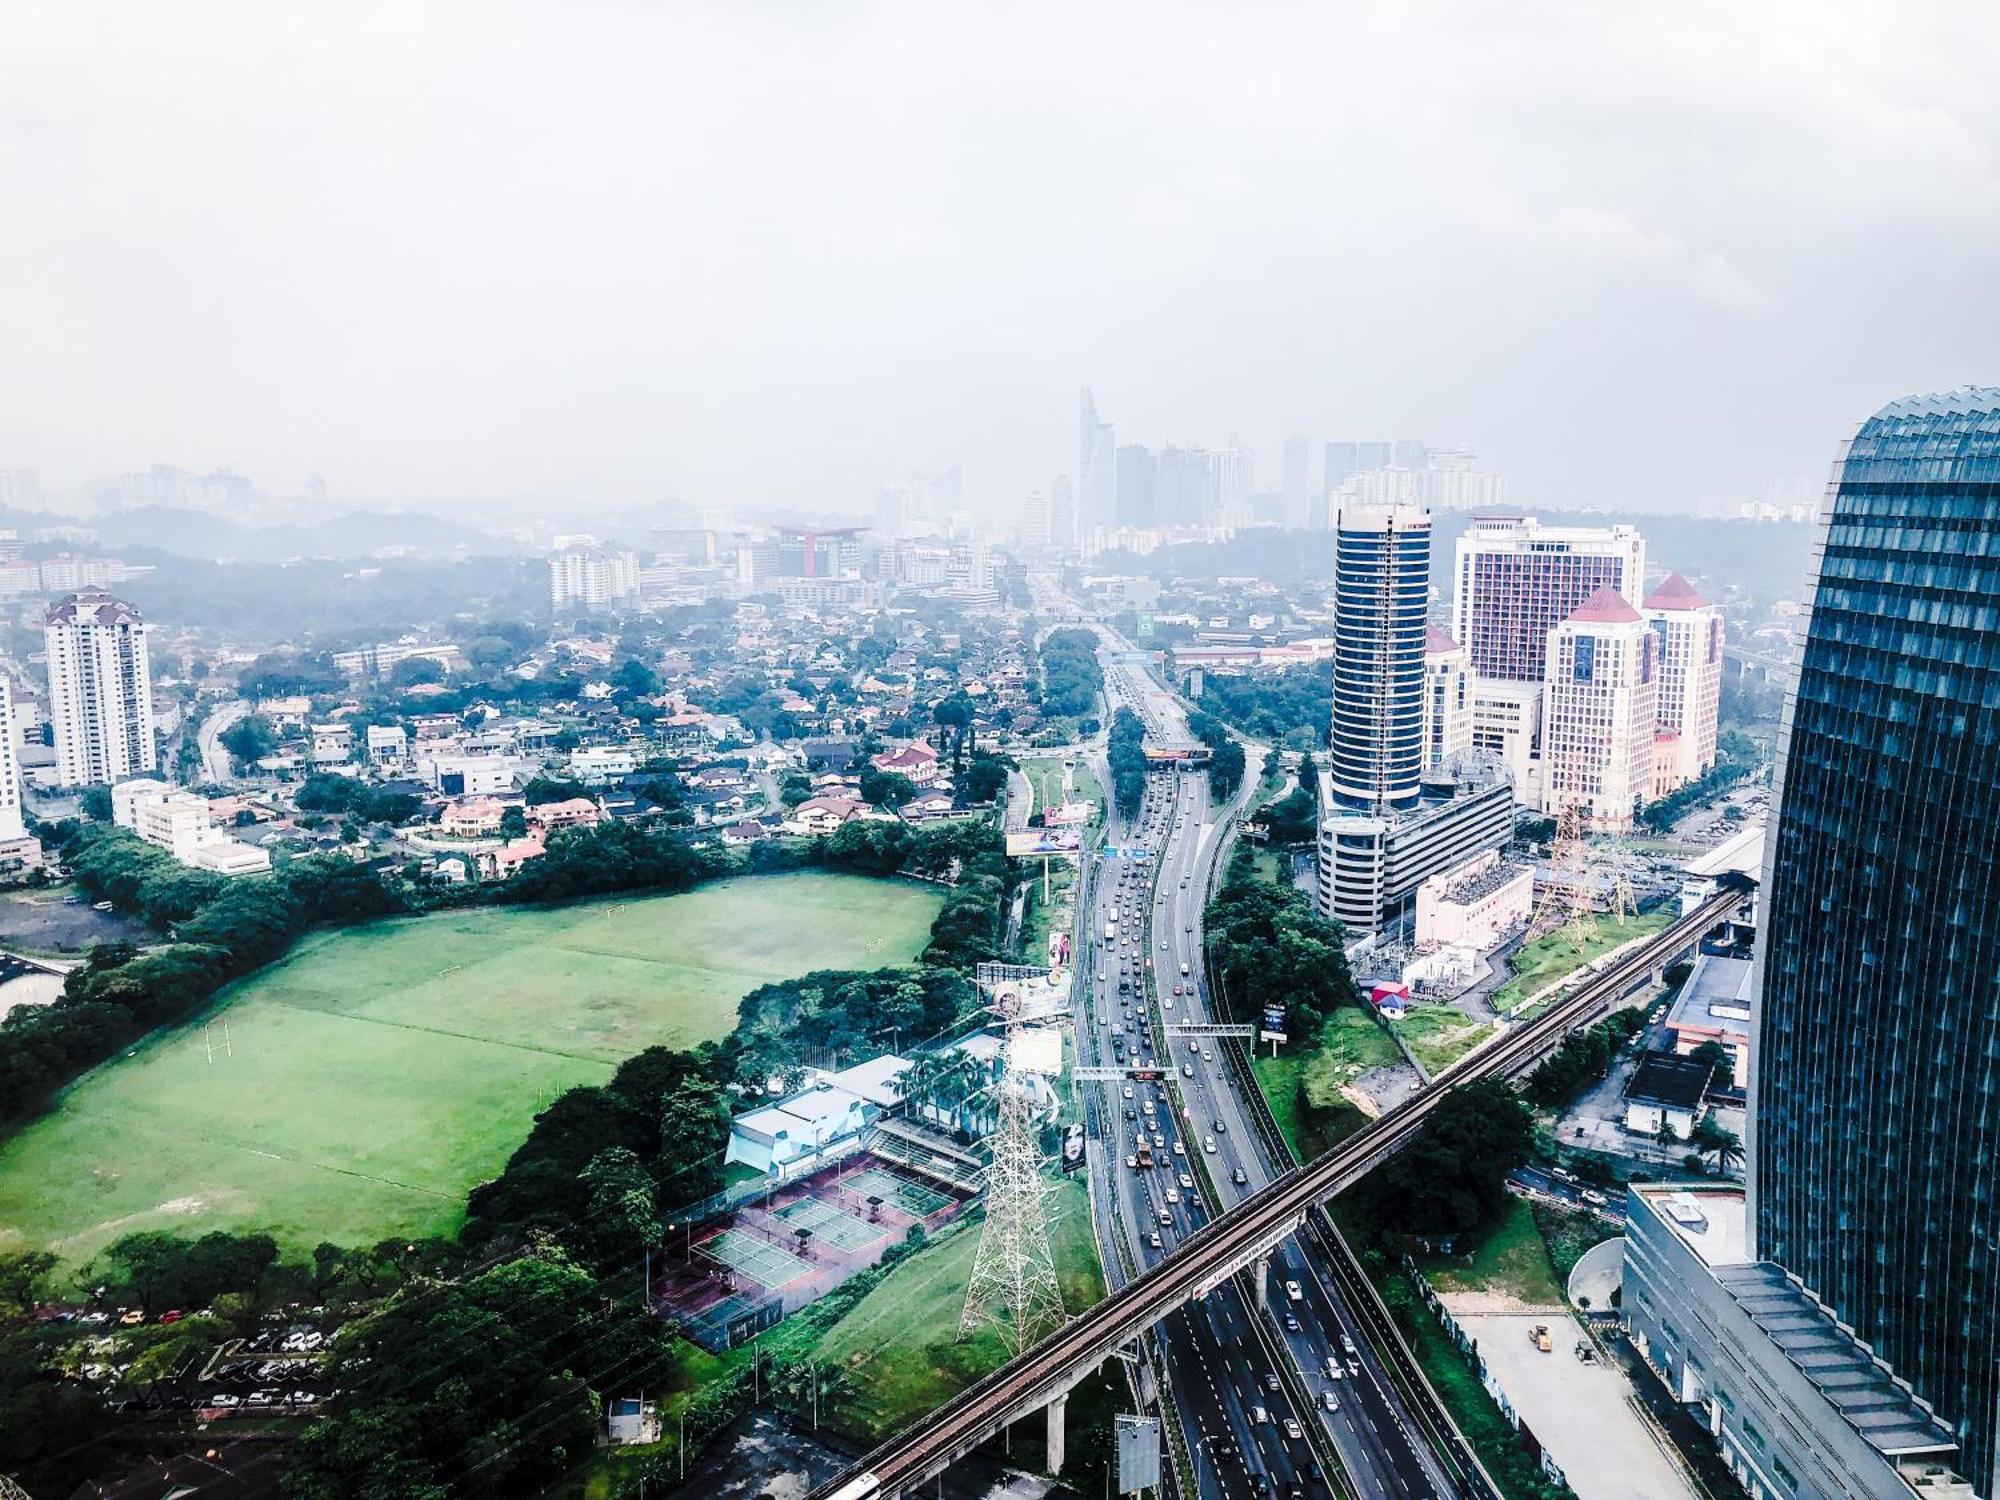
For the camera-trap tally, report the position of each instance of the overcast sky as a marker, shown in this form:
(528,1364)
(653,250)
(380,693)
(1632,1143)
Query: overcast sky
(784,253)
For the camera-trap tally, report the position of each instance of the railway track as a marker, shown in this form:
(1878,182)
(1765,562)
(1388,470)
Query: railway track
(1235,1239)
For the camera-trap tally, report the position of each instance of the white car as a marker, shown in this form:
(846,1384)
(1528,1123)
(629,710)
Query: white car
(1128,1091)
(1292,1291)
(1173,1196)
(1179,1149)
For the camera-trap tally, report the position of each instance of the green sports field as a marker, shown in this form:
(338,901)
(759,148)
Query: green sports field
(359,1088)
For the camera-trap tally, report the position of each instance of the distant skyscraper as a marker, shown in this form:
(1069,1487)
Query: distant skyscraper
(1096,467)
(1875,1097)
(1135,486)
(1062,514)
(1298,480)
(1447,699)
(1515,579)
(100,689)
(1181,487)
(1409,453)
(1381,580)
(1598,712)
(1035,521)
(1690,632)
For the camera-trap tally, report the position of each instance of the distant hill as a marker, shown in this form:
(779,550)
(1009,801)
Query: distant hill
(193,533)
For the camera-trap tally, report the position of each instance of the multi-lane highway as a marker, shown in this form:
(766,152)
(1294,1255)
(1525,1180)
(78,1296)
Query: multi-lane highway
(1302,1363)
(1245,1233)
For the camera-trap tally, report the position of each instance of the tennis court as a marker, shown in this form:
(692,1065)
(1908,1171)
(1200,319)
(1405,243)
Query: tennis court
(913,1198)
(764,1264)
(828,1223)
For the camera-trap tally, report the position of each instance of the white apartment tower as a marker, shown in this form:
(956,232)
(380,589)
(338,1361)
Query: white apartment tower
(1447,699)
(1690,697)
(13,826)
(1598,712)
(592,576)
(100,689)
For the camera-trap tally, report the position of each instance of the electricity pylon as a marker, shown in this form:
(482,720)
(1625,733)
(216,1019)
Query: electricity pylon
(1013,1286)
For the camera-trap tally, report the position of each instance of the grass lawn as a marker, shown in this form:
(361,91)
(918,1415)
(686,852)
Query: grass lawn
(1439,1035)
(901,1343)
(1303,1084)
(1513,1259)
(362,1085)
(1539,964)
(1568,1233)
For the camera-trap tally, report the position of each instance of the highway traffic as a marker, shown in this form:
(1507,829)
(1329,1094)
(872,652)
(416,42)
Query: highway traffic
(1257,1376)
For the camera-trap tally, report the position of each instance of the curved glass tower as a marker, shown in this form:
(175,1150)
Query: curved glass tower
(1875,1157)
(1381,582)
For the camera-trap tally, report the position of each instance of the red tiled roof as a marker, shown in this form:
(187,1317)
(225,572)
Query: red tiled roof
(1675,592)
(1605,607)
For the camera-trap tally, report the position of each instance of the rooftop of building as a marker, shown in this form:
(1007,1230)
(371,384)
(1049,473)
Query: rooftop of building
(1716,994)
(1853,1382)
(1666,1078)
(1605,607)
(1740,854)
(91,607)
(1465,887)
(1436,640)
(1675,592)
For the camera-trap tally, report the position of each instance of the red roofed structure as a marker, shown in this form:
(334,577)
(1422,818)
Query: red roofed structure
(1605,607)
(1675,592)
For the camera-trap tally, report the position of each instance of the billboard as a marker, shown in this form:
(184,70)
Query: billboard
(1035,1049)
(1033,843)
(1138,1453)
(1069,814)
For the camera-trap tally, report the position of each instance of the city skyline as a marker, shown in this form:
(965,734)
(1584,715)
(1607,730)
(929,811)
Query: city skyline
(1553,265)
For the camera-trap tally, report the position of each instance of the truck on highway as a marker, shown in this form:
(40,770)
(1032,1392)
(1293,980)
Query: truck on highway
(1145,1153)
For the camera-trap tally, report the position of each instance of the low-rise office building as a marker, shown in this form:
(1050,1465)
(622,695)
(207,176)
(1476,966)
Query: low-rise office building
(1799,1407)
(1475,904)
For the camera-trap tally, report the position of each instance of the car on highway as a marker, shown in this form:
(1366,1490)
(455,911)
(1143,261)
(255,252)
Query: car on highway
(1239,1177)
(1270,1380)
(1208,1144)
(1187,1070)
(1132,1159)
(1293,1430)
(1128,1087)
(1153,1239)
(1187,1181)
(1292,1291)
(1180,1148)
(1173,1196)
(1330,1401)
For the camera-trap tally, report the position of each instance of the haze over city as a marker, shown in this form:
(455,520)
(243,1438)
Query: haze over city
(782,256)
(922,752)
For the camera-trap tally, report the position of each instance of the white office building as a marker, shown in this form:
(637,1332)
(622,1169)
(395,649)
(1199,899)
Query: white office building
(1448,697)
(1689,628)
(181,823)
(1598,712)
(100,689)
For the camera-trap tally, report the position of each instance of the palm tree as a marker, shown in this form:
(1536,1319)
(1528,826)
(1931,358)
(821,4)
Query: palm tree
(1717,1142)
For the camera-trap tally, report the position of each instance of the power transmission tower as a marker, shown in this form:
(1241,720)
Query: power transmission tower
(1013,1286)
(1565,899)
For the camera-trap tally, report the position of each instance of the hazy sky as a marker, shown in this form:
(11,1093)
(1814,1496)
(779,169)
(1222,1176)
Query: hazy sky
(764,252)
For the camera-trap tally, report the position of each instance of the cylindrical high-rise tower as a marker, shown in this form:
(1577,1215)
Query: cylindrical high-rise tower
(1381,573)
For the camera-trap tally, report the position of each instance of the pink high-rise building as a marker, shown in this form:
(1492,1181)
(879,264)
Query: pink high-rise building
(1598,712)
(1690,634)
(1514,580)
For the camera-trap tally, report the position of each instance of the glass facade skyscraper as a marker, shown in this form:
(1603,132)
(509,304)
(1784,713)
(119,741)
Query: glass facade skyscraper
(1381,583)
(1875,1111)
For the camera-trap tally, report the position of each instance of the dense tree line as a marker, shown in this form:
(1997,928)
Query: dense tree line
(1225,754)
(486,1386)
(1583,1059)
(611,857)
(1453,1177)
(1736,758)
(1072,681)
(1127,756)
(1268,948)
(326,793)
(1291,705)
